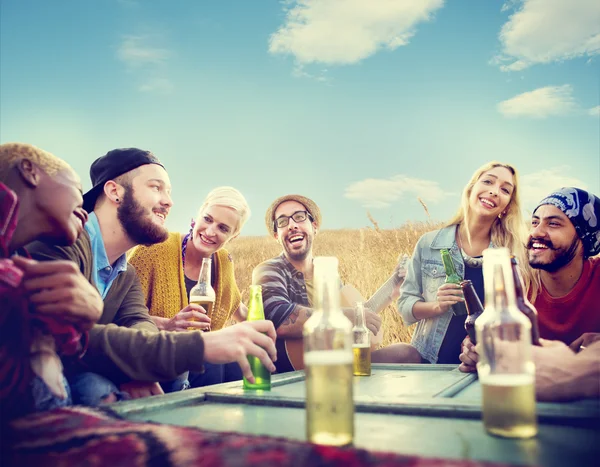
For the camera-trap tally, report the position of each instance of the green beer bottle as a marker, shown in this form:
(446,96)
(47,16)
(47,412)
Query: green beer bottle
(256,312)
(452,277)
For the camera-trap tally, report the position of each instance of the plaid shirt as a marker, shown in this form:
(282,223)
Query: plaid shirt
(283,288)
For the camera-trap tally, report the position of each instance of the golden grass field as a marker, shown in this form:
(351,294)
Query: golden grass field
(367,258)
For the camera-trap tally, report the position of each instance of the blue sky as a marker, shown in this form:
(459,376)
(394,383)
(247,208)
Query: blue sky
(362,105)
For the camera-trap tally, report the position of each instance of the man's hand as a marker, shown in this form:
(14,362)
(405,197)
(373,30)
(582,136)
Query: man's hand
(59,288)
(551,359)
(192,317)
(139,389)
(468,356)
(235,343)
(585,340)
(448,295)
(372,320)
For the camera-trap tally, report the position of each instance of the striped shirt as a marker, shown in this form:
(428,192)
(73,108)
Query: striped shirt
(283,288)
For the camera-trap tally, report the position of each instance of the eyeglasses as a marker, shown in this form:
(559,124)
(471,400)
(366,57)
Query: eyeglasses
(298,216)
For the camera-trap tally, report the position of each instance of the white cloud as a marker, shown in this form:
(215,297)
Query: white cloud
(381,193)
(347,31)
(535,186)
(161,85)
(594,111)
(546,31)
(540,103)
(135,51)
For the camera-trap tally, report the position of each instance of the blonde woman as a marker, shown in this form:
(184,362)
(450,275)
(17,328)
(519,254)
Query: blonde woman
(489,216)
(169,270)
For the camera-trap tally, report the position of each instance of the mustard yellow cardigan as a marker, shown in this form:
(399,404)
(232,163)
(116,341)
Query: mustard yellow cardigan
(160,270)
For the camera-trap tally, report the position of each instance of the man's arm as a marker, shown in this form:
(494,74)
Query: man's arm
(132,312)
(288,317)
(562,375)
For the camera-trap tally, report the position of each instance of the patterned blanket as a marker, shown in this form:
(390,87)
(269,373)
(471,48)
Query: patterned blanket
(96,437)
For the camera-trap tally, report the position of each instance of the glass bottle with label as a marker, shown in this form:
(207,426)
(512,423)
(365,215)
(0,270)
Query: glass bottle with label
(505,367)
(328,361)
(203,293)
(523,303)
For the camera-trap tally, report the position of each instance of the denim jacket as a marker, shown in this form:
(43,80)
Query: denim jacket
(425,274)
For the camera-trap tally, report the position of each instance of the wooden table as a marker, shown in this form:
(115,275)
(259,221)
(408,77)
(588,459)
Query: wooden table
(427,410)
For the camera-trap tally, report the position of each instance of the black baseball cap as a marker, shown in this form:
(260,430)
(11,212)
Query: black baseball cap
(110,166)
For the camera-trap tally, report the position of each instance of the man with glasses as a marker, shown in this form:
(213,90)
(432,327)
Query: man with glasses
(287,282)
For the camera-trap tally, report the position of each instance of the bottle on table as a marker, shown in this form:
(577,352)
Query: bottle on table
(505,368)
(256,312)
(203,293)
(452,277)
(523,303)
(328,361)
(361,346)
(474,308)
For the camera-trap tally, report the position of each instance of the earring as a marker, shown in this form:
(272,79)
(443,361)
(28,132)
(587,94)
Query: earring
(117,200)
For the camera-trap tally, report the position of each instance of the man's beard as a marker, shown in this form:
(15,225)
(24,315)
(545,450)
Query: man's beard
(299,255)
(562,256)
(136,223)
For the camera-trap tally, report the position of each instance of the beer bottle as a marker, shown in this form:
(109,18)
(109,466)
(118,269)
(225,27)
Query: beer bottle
(328,361)
(203,293)
(256,312)
(362,345)
(474,308)
(505,367)
(452,277)
(523,303)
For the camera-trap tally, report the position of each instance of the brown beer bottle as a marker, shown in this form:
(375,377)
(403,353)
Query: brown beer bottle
(523,303)
(474,308)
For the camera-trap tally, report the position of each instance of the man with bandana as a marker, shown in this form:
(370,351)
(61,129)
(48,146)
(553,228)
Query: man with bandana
(126,356)
(564,243)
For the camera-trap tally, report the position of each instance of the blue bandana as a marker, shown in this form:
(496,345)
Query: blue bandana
(583,209)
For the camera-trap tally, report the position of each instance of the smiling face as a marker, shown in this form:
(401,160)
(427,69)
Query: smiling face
(296,238)
(145,205)
(214,227)
(492,193)
(59,197)
(553,241)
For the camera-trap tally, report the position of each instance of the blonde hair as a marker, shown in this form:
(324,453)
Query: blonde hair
(13,153)
(508,230)
(231,198)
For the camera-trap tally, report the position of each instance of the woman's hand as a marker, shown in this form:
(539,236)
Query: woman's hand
(191,317)
(448,295)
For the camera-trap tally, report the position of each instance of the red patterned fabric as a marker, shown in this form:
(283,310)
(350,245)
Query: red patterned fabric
(93,437)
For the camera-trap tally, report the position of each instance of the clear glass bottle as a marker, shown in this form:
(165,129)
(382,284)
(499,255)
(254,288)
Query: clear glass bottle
(203,293)
(256,312)
(505,368)
(361,347)
(328,361)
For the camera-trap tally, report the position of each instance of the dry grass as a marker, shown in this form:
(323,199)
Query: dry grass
(367,258)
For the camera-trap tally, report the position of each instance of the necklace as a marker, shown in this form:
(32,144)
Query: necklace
(472,262)
(475,262)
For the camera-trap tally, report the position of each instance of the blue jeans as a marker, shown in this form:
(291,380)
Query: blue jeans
(213,374)
(91,389)
(43,399)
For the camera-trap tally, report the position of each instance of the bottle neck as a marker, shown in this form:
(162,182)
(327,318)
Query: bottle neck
(327,293)
(204,277)
(359,316)
(449,264)
(499,288)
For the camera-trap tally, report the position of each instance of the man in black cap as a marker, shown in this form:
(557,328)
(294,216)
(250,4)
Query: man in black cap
(128,205)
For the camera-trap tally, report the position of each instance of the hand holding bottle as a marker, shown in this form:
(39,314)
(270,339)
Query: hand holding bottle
(448,295)
(192,317)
